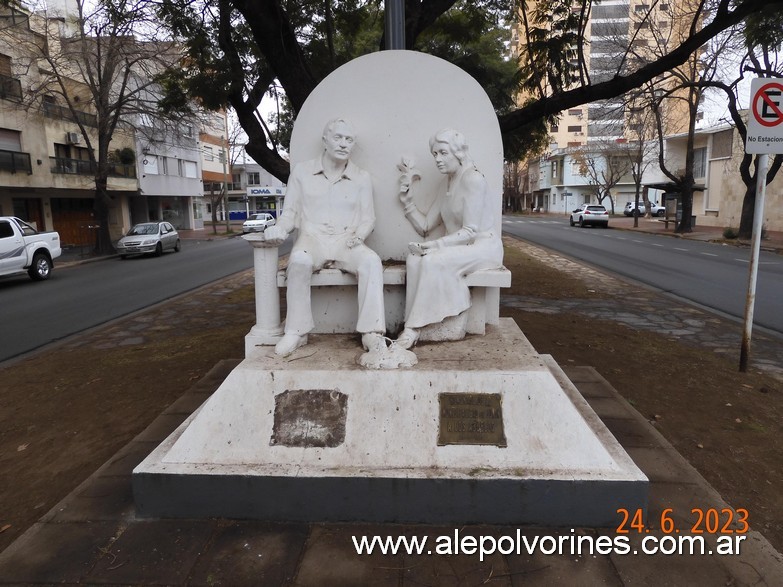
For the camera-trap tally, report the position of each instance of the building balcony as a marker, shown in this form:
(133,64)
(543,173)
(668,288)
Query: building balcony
(81,167)
(62,113)
(15,162)
(10,88)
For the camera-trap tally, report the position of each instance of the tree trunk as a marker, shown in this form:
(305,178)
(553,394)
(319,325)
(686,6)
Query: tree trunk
(748,210)
(686,197)
(103,244)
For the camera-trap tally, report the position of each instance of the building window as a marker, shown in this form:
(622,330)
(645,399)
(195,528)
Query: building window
(699,162)
(554,128)
(209,155)
(253,178)
(575,112)
(150,164)
(10,140)
(554,168)
(722,143)
(575,128)
(191,169)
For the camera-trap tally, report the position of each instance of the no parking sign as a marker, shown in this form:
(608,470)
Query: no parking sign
(765,122)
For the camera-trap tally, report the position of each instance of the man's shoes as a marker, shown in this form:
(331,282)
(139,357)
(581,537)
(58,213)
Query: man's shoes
(373,342)
(289,343)
(407,338)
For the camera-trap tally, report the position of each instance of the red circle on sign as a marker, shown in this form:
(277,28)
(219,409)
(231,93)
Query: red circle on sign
(761,95)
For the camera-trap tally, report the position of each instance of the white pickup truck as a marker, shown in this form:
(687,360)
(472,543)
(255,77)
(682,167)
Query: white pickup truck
(22,248)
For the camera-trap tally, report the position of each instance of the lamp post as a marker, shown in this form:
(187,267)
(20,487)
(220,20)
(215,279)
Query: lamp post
(224,158)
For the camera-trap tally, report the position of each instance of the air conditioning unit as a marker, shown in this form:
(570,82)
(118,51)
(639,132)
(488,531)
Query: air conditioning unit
(72,138)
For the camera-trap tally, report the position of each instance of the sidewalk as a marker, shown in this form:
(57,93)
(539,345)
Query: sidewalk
(94,537)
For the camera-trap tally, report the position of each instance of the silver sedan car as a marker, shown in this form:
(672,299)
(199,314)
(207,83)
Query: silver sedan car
(149,237)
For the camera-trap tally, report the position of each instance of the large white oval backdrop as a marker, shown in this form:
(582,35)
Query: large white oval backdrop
(396,100)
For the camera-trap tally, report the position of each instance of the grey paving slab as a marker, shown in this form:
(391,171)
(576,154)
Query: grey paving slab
(187,403)
(538,568)
(630,432)
(251,553)
(638,568)
(609,407)
(331,560)
(159,552)
(451,557)
(659,464)
(128,457)
(55,553)
(101,498)
(161,427)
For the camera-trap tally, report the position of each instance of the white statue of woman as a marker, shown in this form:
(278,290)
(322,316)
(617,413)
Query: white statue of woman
(435,284)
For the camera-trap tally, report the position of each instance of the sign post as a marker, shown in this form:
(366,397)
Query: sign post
(764,136)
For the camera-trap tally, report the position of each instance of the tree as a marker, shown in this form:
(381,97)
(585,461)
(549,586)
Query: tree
(240,48)
(762,44)
(641,149)
(605,164)
(101,71)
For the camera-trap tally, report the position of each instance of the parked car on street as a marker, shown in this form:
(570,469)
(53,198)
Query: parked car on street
(655,208)
(258,222)
(149,237)
(23,248)
(590,215)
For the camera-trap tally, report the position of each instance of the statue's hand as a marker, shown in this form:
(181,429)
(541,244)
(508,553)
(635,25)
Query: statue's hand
(353,241)
(275,234)
(408,174)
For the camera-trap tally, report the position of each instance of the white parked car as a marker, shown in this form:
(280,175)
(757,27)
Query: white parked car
(590,215)
(258,222)
(655,208)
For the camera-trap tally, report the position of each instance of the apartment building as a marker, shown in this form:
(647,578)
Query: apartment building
(619,37)
(46,172)
(46,176)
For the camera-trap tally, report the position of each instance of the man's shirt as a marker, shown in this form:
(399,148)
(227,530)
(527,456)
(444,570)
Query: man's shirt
(317,205)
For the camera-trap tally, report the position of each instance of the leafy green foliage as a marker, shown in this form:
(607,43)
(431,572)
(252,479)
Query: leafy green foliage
(548,66)
(764,29)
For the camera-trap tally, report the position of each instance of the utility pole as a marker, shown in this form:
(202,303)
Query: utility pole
(394,11)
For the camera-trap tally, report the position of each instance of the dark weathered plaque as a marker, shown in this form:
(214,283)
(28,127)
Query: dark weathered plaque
(471,418)
(310,418)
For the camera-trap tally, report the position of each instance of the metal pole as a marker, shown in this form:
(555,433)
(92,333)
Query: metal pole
(750,300)
(394,11)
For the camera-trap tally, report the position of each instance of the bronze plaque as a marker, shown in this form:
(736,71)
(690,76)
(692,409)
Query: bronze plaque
(310,418)
(471,418)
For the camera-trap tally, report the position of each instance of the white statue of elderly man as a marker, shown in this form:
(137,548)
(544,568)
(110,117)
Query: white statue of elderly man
(329,199)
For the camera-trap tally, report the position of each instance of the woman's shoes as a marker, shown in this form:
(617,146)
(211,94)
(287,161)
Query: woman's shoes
(407,338)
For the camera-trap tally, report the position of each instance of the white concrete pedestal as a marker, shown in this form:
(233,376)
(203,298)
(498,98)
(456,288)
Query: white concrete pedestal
(561,466)
(268,329)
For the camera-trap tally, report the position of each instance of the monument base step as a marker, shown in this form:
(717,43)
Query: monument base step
(483,430)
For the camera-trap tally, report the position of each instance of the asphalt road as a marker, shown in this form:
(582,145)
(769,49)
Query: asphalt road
(708,274)
(33,314)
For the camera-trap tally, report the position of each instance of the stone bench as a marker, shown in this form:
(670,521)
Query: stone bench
(335,305)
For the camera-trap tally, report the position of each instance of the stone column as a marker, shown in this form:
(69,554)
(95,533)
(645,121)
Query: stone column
(268,328)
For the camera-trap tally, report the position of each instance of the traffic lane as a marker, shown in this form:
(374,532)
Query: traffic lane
(708,274)
(713,275)
(83,296)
